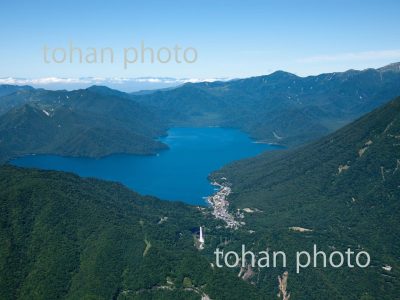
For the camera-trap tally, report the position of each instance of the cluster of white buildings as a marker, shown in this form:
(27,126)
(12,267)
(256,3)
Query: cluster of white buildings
(220,205)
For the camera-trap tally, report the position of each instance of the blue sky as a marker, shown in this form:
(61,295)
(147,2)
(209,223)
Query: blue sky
(232,38)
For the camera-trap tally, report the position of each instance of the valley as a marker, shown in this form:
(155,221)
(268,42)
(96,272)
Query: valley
(71,237)
(280,108)
(200,150)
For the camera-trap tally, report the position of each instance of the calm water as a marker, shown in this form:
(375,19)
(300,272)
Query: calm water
(179,173)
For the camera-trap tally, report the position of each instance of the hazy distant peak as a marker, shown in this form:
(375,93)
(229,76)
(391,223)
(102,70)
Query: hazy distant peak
(394,67)
(282,74)
(101,88)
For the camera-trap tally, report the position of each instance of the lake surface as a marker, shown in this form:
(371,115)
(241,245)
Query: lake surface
(179,173)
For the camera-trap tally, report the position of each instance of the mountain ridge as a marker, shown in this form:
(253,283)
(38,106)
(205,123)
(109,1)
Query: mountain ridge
(280,108)
(298,109)
(79,123)
(66,237)
(333,189)
(342,189)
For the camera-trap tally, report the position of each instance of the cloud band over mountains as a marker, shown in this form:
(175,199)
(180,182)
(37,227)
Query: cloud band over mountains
(126,84)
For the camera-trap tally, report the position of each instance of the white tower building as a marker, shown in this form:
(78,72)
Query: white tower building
(201,238)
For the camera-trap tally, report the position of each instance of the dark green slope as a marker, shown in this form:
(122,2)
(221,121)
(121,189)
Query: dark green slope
(280,107)
(7,89)
(106,91)
(78,123)
(346,188)
(63,237)
(12,96)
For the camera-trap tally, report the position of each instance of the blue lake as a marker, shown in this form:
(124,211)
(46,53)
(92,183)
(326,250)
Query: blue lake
(179,173)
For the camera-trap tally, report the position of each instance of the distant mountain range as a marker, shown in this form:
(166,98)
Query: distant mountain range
(7,89)
(279,108)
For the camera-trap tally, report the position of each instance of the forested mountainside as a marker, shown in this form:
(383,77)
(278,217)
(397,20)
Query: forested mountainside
(77,123)
(70,238)
(7,89)
(67,237)
(64,237)
(279,108)
(341,191)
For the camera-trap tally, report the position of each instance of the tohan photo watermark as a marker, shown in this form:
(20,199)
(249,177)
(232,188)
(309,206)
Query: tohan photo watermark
(131,55)
(303,259)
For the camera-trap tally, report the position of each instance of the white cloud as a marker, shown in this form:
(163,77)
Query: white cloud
(41,81)
(195,80)
(100,80)
(353,56)
(119,83)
